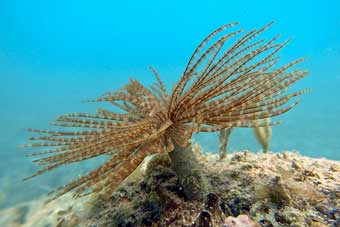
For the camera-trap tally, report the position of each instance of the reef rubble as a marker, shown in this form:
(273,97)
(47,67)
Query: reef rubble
(249,189)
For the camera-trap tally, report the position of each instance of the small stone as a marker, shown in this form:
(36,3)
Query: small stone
(61,212)
(334,168)
(203,220)
(246,166)
(296,166)
(240,221)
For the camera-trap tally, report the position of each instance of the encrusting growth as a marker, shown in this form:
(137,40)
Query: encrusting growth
(221,87)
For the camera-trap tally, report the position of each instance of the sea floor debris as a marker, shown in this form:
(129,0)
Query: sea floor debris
(250,189)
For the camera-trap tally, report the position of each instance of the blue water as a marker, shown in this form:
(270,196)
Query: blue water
(53,54)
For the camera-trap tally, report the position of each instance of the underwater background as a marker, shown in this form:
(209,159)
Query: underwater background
(54,54)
